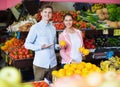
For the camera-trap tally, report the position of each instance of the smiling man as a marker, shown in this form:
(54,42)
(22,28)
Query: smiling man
(41,39)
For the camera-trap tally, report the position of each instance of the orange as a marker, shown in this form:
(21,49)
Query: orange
(62,43)
(86,51)
(81,49)
(54,72)
(74,65)
(61,73)
(89,65)
(67,66)
(78,72)
(69,73)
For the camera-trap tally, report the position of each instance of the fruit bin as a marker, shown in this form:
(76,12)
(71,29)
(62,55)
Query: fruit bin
(21,63)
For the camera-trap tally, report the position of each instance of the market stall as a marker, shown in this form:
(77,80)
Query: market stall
(100,26)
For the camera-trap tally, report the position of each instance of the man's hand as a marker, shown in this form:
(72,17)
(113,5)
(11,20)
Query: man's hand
(46,46)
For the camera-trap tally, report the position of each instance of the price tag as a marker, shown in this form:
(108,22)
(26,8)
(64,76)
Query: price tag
(105,31)
(116,32)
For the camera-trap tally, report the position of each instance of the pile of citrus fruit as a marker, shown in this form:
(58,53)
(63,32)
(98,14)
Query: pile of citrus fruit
(84,51)
(82,69)
(12,43)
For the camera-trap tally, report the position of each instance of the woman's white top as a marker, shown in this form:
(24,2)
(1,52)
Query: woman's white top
(76,43)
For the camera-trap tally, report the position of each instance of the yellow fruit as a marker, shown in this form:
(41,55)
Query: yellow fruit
(54,72)
(74,65)
(86,51)
(81,49)
(61,73)
(66,66)
(69,73)
(62,43)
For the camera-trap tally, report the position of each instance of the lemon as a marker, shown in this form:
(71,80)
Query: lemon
(62,43)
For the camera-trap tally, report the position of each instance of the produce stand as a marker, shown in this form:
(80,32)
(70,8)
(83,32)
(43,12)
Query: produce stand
(18,63)
(101,32)
(22,63)
(100,35)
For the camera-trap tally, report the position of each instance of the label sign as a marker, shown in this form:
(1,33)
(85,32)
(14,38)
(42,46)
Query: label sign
(105,31)
(116,32)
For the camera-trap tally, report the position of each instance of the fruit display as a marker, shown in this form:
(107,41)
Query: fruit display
(89,43)
(21,53)
(59,26)
(112,64)
(12,43)
(82,69)
(78,23)
(94,79)
(11,77)
(58,17)
(40,84)
(83,25)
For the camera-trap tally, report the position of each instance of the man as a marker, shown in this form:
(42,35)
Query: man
(41,39)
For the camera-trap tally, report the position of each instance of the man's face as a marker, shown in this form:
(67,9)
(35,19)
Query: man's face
(46,14)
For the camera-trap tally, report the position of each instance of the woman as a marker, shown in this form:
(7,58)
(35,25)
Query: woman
(73,38)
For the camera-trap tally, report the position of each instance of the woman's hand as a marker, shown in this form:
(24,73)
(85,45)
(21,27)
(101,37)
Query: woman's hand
(61,47)
(62,44)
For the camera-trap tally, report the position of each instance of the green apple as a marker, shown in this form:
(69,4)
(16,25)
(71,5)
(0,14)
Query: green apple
(10,75)
(3,83)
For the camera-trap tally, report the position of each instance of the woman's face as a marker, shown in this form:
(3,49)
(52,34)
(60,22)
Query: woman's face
(46,14)
(68,21)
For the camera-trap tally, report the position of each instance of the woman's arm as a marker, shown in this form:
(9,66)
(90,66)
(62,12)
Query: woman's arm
(63,50)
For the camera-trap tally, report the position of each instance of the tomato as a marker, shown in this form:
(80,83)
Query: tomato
(20,52)
(15,56)
(27,56)
(20,56)
(26,52)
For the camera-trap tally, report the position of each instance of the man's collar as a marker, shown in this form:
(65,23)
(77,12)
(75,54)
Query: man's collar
(44,23)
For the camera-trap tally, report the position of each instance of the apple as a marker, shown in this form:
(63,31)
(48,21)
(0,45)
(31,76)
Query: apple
(10,75)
